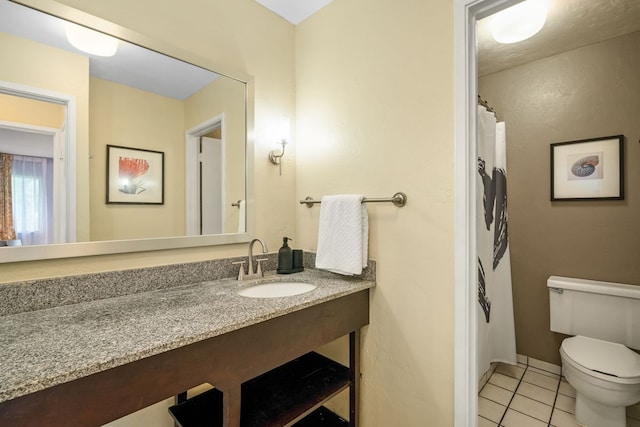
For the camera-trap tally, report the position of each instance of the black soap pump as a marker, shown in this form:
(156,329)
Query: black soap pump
(285,258)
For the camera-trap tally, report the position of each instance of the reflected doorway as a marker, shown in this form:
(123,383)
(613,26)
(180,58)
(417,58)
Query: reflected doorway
(205,154)
(211,183)
(36,168)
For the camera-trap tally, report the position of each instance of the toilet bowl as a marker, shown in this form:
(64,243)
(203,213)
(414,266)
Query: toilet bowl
(606,377)
(604,319)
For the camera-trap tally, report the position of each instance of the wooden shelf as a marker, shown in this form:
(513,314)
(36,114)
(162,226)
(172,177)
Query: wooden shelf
(322,417)
(293,392)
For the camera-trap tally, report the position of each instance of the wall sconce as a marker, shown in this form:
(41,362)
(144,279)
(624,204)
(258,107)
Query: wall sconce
(283,135)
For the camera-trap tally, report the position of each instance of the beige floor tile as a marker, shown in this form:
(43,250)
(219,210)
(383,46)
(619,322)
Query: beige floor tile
(503,381)
(566,403)
(506,401)
(483,422)
(541,380)
(538,393)
(510,370)
(531,407)
(497,394)
(490,410)
(522,359)
(516,419)
(566,389)
(563,419)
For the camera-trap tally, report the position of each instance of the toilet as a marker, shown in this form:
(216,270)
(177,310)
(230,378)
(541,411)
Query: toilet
(604,319)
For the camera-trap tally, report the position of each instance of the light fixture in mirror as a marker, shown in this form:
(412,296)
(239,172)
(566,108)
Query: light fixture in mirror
(177,107)
(91,41)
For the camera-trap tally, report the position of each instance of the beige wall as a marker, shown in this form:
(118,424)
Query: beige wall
(65,73)
(125,116)
(30,111)
(585,93)
(374,84)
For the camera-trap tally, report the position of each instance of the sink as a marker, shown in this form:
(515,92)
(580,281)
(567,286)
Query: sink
(276,289)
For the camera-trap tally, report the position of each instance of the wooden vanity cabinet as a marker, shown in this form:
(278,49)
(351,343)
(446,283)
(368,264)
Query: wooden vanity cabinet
(226,361)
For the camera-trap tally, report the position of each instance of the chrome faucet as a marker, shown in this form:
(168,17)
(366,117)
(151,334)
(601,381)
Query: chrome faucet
(251,273)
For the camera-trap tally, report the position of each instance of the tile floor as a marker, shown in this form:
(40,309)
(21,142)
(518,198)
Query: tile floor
(531,394)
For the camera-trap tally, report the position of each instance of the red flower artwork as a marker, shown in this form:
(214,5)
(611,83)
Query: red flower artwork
(129,170)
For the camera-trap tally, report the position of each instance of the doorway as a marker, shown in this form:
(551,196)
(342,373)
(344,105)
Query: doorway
(211,183)
(38,123)
(466,14)
(205,194)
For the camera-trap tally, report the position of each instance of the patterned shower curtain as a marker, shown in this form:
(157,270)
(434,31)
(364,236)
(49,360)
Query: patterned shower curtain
(496,330)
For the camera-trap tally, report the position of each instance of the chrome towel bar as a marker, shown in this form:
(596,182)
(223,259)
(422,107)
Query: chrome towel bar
(399,200)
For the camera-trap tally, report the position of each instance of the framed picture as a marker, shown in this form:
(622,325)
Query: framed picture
(589,169)
(135,176)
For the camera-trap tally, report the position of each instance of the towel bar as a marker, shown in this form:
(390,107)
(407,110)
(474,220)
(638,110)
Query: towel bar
(399,200)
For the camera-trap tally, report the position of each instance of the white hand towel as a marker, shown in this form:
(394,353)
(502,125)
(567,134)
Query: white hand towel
(242,217)
(343,234)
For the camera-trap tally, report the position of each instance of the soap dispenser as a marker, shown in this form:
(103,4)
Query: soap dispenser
(285,258)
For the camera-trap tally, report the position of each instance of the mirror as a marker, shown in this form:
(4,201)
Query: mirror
(184,126)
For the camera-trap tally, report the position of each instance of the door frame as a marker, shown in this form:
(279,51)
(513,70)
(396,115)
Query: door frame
(192,188)
(64,156)
(466,13)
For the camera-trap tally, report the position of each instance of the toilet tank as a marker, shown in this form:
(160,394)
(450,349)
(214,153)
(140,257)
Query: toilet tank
(602,310)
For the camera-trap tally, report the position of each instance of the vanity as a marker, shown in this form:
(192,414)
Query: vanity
(84,351)
(92,362)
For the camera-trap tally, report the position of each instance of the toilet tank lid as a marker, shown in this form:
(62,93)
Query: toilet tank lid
(594,286)
(603,356)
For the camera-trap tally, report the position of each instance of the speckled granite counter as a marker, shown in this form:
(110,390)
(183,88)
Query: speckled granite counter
(43,348)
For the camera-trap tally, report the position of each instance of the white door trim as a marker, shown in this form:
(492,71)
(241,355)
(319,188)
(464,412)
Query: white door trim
(192,190)
(65,150)
(466,13)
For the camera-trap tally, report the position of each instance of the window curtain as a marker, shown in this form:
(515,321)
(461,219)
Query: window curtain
(7,232)
(32,188)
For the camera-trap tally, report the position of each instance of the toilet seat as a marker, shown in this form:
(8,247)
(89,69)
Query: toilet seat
(603,357)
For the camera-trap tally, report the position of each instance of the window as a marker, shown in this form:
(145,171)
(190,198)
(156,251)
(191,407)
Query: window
(32,199)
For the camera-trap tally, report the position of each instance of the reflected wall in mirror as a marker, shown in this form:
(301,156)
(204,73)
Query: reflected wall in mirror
(61,107)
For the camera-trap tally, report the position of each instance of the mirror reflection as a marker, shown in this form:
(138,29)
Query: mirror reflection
(60,107)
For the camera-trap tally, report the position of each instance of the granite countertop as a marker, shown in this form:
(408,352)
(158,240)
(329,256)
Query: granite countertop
(43,348)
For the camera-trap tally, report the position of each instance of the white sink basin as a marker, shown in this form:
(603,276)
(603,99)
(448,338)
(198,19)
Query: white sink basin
(276,289)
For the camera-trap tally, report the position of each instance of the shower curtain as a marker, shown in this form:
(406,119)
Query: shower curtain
(496,330)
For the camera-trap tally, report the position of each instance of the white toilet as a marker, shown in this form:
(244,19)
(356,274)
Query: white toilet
(604,317)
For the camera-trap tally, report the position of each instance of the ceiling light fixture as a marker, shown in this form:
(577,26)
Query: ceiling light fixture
(519,22)
(90,41)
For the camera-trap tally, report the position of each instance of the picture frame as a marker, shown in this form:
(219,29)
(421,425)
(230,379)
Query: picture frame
(134,176)
(588,169)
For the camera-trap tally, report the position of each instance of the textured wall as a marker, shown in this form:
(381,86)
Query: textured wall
(585,93)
